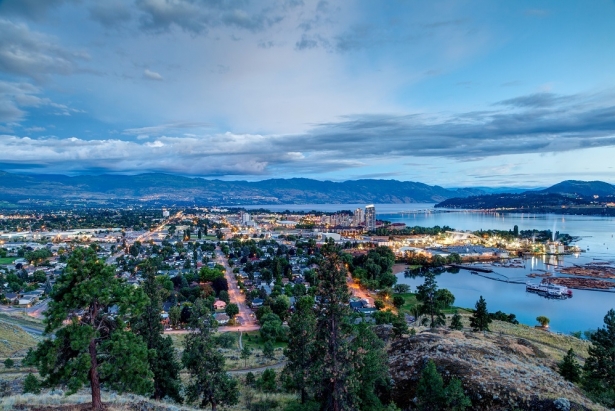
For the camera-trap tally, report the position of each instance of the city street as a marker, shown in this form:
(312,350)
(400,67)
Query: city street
(236,296)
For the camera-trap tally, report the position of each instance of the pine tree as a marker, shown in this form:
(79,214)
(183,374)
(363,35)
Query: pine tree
(300,350)
(333,373)
(427,293)
(94,347)
(456,323)
(599,369)
(162,356)
(430,390)
(480,319)
(400,326)
(569,368)
(209,382)
(245,354)
(372,370)
(456,399)
(31,385)
(268,350)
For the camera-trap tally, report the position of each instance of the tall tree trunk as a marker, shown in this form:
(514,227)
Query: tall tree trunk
(214,406)
(94,380)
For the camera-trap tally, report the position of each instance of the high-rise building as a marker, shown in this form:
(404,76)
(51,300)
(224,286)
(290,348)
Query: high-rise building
(370,217)
(165,213)
(358,217)
(245,217)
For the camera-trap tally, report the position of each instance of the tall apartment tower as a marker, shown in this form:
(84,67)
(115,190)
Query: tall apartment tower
(370,217)
(359,217)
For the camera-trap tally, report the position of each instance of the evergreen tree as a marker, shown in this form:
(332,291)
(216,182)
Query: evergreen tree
(456,400)
(372,370)
(9,363)
(245,354)
(480,319)
(31,385)
(569,368)
(427,293)
(267,381)
(268,350)
(162,356)
(333,372)
(400,327)
(209,382)
(95,346)
(599,369)
(456,323)
(430,390)
(432,396)
(300,350)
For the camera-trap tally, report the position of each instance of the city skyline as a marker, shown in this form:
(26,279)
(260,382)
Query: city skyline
(447,93)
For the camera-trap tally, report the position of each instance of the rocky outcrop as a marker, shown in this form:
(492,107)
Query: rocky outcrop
(497,372)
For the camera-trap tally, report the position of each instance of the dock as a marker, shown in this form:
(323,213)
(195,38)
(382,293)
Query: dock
(472,268)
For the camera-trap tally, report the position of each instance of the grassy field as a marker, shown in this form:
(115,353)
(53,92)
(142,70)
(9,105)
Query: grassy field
(7,260)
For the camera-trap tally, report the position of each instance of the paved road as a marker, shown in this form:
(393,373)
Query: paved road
(236,296)
(144,237)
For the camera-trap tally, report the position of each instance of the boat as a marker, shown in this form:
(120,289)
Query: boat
(549,290)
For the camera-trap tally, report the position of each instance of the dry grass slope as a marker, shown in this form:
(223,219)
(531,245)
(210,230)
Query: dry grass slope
(14,341)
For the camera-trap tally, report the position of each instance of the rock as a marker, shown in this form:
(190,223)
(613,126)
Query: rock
(562,404)
(489,368)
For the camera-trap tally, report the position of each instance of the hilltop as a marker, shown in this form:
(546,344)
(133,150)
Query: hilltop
(498,372)
(567,197)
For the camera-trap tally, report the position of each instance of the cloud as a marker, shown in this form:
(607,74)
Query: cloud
(110,13)
(575,122)
(532,100)
(152,75)
(15,96)
(306,43)
(198,17)
(32,9)
(31,54)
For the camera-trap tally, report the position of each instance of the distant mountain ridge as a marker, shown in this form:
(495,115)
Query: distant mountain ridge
(567,197)
(161,188)
(582,188)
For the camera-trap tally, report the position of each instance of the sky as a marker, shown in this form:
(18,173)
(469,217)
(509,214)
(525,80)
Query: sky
(453,93)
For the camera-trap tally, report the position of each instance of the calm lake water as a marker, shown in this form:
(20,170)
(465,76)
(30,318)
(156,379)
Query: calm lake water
(585,310)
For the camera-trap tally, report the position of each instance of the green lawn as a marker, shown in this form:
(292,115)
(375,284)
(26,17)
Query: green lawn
(252,339)
(411,301)
(7,260)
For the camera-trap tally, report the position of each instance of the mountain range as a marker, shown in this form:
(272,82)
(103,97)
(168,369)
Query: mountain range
(166,189)
(155,188)
(567,197)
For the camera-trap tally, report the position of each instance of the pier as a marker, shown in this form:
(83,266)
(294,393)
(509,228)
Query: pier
(472,268)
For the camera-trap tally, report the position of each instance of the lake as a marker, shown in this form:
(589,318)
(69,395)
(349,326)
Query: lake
(585,310)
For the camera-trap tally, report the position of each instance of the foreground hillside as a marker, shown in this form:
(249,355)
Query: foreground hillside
(498,371)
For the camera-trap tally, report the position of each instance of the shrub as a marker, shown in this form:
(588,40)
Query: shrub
(31,384)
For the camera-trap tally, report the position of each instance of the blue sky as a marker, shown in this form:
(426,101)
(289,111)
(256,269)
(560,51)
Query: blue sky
(455,93)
